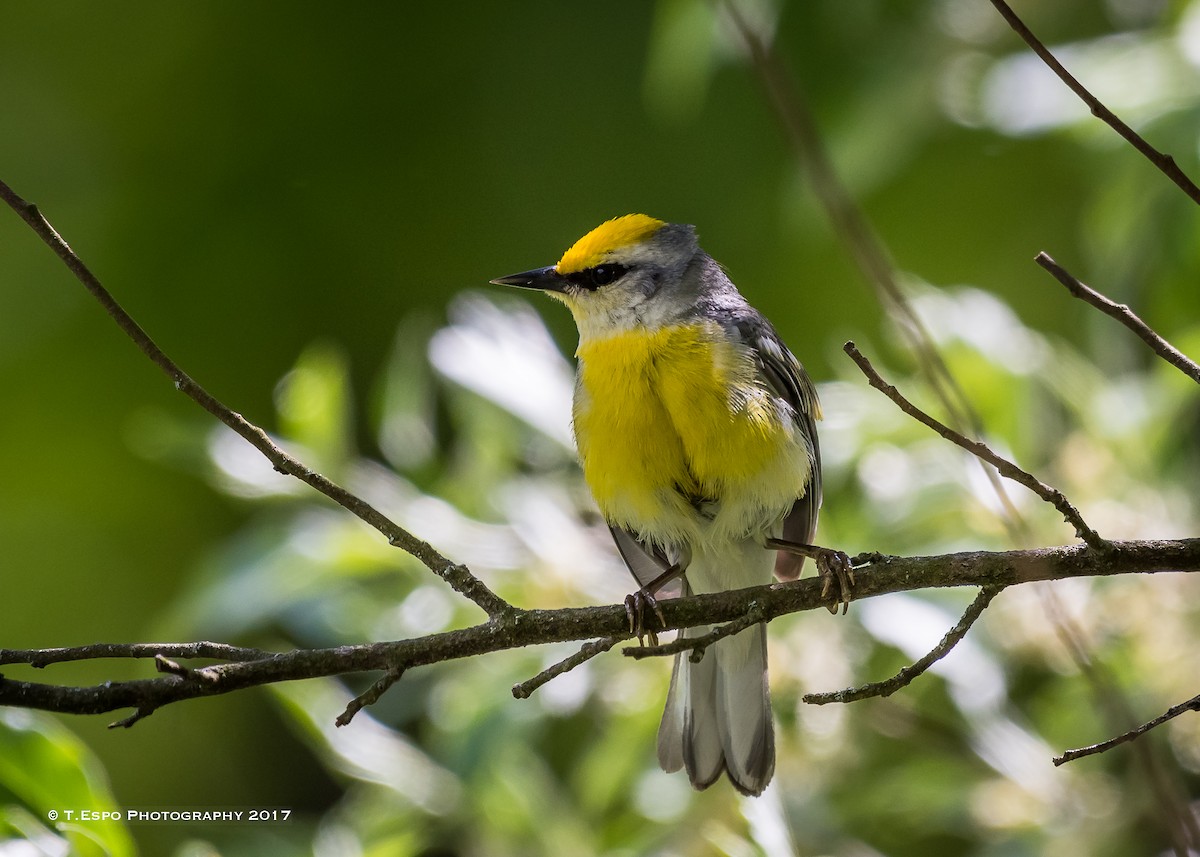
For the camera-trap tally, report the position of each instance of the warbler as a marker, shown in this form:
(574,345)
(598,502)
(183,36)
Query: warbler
(695,429)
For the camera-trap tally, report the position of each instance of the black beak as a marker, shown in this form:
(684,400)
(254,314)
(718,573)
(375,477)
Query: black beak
(545,279)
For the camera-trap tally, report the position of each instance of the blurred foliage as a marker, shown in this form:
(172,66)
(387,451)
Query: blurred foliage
(46,773)
(297,202)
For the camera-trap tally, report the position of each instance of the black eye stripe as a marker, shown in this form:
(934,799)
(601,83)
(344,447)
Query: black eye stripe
(598,275)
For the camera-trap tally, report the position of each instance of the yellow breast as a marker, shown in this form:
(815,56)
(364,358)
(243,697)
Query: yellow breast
(670,420)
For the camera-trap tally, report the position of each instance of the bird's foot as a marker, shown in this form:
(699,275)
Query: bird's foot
(833,567)
(636,604)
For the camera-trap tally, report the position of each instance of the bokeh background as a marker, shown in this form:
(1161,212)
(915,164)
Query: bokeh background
(303,202)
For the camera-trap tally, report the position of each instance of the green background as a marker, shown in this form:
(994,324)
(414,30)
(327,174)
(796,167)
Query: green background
(267,186)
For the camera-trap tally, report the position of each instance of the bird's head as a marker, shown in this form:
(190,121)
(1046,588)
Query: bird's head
(627,272)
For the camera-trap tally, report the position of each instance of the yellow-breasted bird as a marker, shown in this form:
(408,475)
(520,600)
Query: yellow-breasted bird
(695,429)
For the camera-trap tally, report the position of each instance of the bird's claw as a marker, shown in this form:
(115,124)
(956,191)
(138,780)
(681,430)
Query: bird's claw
(835,566)
(832,566)
(635,608)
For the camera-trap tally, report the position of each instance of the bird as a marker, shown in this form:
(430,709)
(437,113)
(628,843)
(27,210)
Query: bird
(695,428)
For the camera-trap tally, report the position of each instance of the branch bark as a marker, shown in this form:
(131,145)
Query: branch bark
(1123,314)
(518,628)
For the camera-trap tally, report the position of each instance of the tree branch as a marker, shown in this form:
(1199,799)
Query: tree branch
(884,574)
(1123,314)
(586,652)
(981,450)
(458,576)
(1174,711)
(1165,163)
(906,675)
(370,696)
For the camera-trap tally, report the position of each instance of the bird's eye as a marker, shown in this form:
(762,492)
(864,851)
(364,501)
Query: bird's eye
(602,275)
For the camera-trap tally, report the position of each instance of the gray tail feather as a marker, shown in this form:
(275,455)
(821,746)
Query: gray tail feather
(718,714)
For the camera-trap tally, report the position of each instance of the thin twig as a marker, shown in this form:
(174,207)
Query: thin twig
(981,450)
(1163,161)
(458,576)
(586,652)
(1123,314)
(1163,781)
(697,645)
(370,696)
(1174,711)
(140,713)
(906,675)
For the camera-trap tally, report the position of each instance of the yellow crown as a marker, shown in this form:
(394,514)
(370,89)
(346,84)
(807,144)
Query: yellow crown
(608,236)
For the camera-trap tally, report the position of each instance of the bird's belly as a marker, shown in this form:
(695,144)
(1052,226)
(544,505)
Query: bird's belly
(678,440)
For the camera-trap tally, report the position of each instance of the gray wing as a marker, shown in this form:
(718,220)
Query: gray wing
(787,379)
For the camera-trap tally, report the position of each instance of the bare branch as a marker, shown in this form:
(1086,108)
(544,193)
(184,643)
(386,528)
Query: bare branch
(981,450)
(370,696)
(1164,162)
(1174,711)
(906,675)
(586,652)
(524,628)
(458,576)
(1123,314)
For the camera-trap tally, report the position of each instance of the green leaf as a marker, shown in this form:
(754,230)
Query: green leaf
(48,781)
